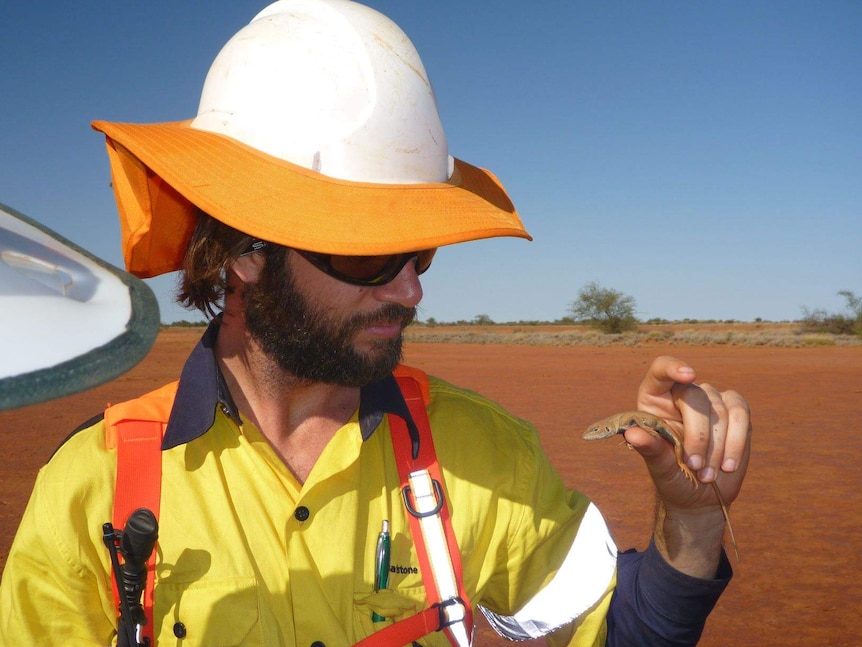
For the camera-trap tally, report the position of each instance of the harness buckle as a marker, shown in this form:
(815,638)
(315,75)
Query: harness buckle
(407,493)
(445,617)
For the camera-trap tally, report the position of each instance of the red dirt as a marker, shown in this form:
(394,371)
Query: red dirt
(798,520)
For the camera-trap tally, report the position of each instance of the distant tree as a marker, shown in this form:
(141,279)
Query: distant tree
(483,320)
(854,303)
(848,323)
(609,310)
(431,322)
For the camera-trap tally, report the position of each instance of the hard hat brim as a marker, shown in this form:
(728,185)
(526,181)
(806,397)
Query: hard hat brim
(161,172)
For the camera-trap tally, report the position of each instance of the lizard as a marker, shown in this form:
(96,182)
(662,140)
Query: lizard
(620,422)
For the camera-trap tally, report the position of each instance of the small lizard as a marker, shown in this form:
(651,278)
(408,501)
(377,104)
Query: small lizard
(619,423)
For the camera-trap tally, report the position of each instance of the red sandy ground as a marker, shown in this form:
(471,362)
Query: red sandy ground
(798,520)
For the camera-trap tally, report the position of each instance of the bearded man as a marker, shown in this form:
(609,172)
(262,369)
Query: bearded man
(308,489)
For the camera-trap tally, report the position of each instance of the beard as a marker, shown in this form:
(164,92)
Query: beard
(310,345)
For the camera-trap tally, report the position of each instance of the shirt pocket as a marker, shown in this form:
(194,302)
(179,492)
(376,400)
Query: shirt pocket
(392,606)
(211,612)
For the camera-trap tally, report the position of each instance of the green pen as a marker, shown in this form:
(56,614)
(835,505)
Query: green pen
(381,564)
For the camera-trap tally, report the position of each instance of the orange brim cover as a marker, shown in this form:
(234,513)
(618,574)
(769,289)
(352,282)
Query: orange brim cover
(161,172)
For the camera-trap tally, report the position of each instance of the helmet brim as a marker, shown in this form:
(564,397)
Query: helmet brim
(162,172)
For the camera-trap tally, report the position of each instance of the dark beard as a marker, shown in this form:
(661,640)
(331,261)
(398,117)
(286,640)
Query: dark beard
(307,344)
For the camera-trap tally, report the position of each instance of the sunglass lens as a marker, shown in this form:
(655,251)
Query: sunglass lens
(378,269)
(362,268)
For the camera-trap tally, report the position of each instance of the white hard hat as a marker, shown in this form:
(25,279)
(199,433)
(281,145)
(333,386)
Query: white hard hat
(317,129)
(330,85)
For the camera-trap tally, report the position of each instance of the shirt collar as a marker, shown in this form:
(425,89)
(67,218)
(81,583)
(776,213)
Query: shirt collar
(379,398)
(202,389)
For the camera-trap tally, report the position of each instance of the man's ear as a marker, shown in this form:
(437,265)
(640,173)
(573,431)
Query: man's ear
(248,267)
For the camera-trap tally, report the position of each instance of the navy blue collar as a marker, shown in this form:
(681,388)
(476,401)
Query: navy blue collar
(202,389)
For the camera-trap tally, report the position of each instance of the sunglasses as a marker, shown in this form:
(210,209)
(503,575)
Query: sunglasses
(367,271)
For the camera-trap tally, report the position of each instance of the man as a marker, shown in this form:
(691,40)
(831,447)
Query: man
(303,202)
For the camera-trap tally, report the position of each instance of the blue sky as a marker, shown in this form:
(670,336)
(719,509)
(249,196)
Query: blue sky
(702,157)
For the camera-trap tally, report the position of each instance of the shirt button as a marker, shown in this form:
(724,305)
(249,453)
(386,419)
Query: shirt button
(180,630)
(302,514)
(318,643)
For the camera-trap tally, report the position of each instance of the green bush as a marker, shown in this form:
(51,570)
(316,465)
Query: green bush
(847,323)
(609,310)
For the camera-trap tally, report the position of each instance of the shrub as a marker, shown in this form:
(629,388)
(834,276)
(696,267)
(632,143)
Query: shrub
(848,323)
(609,310)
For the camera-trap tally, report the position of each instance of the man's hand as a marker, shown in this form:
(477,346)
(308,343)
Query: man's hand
(717,431)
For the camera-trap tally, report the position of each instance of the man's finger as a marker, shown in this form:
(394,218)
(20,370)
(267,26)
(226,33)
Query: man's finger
(663,373)
(696,412)
(738,431)
(719,423)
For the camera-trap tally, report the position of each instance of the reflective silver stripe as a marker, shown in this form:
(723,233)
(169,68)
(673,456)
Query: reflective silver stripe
(425,502)
(580,583)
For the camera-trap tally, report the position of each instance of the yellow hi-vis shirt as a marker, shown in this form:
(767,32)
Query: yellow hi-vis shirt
(249,556)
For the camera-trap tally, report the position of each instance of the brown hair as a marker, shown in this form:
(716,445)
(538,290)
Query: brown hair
(213,248)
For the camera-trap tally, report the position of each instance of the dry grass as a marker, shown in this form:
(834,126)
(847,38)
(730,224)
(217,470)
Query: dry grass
(683,334)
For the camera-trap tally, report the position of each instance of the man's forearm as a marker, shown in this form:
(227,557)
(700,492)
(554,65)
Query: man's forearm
(690,541)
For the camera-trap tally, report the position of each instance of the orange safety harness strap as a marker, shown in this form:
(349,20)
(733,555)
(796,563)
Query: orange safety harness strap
(408,630)
(421,470)
(135,428)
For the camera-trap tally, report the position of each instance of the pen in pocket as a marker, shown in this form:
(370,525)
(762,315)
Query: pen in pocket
(381,564)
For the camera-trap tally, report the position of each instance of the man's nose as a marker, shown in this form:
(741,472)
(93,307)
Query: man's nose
(405,289)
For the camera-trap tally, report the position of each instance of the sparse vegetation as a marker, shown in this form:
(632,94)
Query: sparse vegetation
(672,333)
(580,327)
(846,323)
(609,310)
(185,324)
(566,333)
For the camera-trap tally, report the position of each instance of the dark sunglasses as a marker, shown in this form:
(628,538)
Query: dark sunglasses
(367,271)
